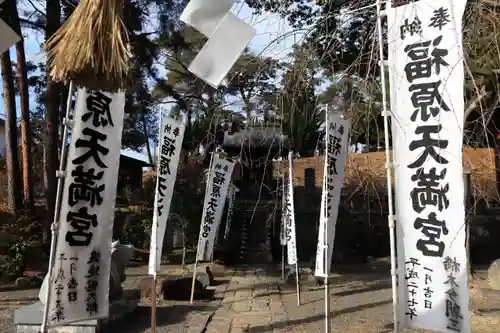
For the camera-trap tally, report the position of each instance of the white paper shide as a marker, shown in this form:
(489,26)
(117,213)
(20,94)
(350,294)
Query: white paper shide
(291,239)
(227,35)
(222,49)
(171,136)
(427,72)
(215,198)
(80,284)
(205,16)
(337,140)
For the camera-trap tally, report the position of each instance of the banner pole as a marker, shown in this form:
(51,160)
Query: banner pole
(282,262)
(282,224)
(194,274)
(153,305)
(57,207)
(155,234)
(201,225)
(290,180)
(297,281)
(325,239)
(388,164)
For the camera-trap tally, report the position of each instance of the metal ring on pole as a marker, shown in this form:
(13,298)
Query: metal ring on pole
(388,162)
(57,207)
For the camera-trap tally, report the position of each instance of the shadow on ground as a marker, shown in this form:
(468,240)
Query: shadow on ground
(376,285)
(370,281)
(182,292)
(140,320)
(487,311)
(290,324)
(220,282)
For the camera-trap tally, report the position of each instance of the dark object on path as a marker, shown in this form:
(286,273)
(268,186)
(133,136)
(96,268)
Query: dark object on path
(290,277)
(210,276)
(145,286)
(204,274)
(28,282)
(494,275)
(179,288)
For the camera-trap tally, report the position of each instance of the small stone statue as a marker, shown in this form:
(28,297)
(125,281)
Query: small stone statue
(120,257)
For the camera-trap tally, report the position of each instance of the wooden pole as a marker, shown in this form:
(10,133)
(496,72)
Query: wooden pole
(467,193)
(193,283)
(297,281)
(327,297)
(282,262)
(153,304)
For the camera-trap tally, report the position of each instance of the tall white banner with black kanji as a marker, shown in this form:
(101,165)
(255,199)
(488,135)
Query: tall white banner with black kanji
(80,284)
(425,45)
(231,196)
(282,224)
(170,145)
(337,144)
(215,198)
(283,207)
(291,236)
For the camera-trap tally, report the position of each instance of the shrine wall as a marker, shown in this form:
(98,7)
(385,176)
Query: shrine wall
(365,172)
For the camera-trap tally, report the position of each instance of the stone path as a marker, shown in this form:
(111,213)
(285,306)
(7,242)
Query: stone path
(251,299)
(254,300)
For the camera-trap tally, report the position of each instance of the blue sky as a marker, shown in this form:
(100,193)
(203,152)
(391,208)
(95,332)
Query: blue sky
(274,38)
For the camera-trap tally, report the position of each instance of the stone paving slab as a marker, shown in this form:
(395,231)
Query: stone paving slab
(247,303)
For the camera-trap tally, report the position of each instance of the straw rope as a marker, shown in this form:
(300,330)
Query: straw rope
(90,48)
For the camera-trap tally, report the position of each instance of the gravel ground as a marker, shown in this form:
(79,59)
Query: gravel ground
(254,300)
(362,302)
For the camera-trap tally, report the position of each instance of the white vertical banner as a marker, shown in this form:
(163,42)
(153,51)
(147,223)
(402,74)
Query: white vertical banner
(215,198)
(170,145)
(337,146)
(80,283)
(282,230)
(425,43)
(283,206)
(291,236)
(230,206)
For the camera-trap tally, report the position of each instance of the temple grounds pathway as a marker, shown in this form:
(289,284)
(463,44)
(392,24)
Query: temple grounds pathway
(254,299)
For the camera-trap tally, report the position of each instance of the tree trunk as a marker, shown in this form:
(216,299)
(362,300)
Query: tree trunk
(12,161)
(9,98)
(52,99)
(27,160)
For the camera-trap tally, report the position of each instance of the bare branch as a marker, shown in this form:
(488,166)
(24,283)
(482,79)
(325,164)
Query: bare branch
(475,103)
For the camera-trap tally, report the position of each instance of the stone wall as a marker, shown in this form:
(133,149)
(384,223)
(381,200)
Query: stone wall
(365,173)
(364,203)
